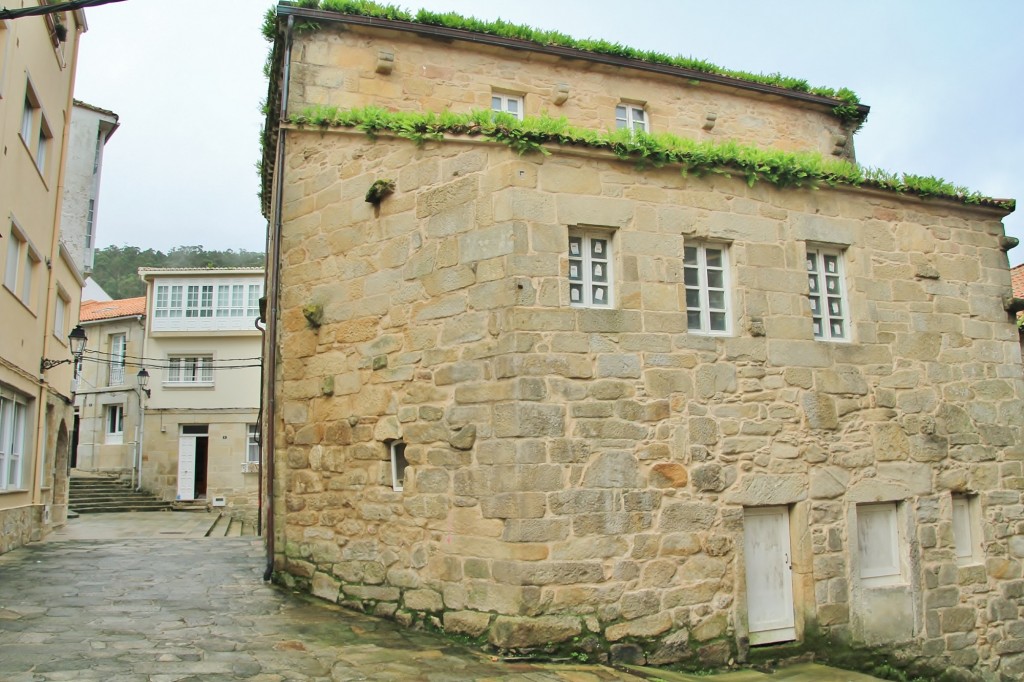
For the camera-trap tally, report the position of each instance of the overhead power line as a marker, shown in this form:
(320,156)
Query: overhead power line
(41,10)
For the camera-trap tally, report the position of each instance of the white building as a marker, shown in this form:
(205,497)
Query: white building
(202,350)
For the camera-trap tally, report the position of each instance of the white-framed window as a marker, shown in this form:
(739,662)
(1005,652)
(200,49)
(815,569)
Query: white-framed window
(631,117)
(28,118)
(591,275)
(252,443)
(827,294)
(706,281)
(43,145)
(199,300)
(168,301)
(114,424)
(189,370)
(236,300)
(252,307)
(967,529)
(231,300)
(15,247)
(398,464)
(90,218)
(878,541)
(118,351)
(13,430)
(60,316)
(507,103)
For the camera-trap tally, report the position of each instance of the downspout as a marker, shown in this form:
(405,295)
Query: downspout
(140,426)
(272,300)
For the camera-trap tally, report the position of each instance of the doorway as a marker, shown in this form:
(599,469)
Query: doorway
(193,461)
(769,571)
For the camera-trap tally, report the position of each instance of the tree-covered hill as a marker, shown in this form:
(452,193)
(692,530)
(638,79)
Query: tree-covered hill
(115,268)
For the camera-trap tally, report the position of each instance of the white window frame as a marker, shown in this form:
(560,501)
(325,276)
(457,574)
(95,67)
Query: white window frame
(197,305)
(43,144)
(60,316)
(505,102)
(252,443)
(827,300)
(252,308)
(199,300)
(703,281)
(116,367)
(591,257)
(399,465)
(14,430)
(15,248)
(631,116)
(189,370)
(880,544)
(967,534)
(113,424)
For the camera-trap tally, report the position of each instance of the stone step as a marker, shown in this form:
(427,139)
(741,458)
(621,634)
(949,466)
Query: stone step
(95,495)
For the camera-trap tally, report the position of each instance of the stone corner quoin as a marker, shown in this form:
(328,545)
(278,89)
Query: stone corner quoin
(789,415)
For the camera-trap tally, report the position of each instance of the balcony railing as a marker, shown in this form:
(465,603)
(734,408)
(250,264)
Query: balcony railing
(116,375)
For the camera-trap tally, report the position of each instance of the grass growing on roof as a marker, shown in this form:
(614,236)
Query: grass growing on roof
(846,111)
(534,134)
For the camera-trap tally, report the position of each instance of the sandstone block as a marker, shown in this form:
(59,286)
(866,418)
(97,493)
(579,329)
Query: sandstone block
(510,632)
(471,623)
(647,626)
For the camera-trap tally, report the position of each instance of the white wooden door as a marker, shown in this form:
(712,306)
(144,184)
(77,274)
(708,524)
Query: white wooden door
(769,575)
(186,468)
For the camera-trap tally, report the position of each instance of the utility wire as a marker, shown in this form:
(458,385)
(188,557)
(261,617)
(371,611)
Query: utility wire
(41,10)
(139,357)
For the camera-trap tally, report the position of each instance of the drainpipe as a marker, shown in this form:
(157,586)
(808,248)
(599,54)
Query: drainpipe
(272,300)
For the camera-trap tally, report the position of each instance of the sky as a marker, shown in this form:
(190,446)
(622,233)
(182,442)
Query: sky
(944,80)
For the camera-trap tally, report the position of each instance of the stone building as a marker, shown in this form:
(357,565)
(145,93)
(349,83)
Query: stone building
(42,284)
(561,399)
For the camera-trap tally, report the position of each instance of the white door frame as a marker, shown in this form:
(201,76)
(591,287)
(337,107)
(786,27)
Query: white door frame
(186,467)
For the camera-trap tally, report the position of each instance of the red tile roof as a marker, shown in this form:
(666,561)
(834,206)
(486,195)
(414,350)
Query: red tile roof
(105,310)
(1017,278)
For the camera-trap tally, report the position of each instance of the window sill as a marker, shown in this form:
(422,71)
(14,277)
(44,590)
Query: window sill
(183,385)
(13,491)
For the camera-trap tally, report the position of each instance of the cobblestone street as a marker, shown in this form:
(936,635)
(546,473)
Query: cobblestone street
(149,599)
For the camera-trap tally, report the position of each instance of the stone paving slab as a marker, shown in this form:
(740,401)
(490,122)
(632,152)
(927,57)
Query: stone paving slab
(123,600)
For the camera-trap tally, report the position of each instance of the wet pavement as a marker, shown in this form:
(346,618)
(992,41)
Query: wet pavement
(145,599)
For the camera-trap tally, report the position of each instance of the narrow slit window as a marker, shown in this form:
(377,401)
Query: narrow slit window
(398,465)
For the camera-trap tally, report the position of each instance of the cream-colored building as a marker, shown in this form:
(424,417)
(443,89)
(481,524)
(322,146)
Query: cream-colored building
(202,351)
(107,395)
(41,286)
(582,400)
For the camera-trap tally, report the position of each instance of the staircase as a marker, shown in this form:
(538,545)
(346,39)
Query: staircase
(227,527)
(99,494)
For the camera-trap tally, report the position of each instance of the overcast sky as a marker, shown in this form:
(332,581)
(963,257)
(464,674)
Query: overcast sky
(944,80)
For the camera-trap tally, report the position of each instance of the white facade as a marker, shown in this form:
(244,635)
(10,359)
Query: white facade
(202,351)
(91,128)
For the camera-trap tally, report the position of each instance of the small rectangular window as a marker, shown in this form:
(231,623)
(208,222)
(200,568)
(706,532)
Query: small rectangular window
(827,294)
(114,424)
(252,449)
(507,104)
(28,115)
(185,370)
(28,278)
(590,269)
(631,117)
(878,540)
(398,465)
(43,146)
(706,281)
(967,529)
(90,218)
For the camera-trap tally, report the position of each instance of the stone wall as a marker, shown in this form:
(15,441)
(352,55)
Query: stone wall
(339,67)
(580,476)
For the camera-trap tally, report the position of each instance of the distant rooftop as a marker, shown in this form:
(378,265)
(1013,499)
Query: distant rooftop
(92,311)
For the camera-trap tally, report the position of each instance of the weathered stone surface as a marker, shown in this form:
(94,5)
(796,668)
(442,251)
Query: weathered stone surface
(757,490)
(510,632)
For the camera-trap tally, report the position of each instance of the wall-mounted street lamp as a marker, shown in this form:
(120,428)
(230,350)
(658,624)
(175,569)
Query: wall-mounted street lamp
(77,339)
(143,378)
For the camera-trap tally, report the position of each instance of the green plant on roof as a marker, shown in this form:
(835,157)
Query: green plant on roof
(846,110)
(535,134)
